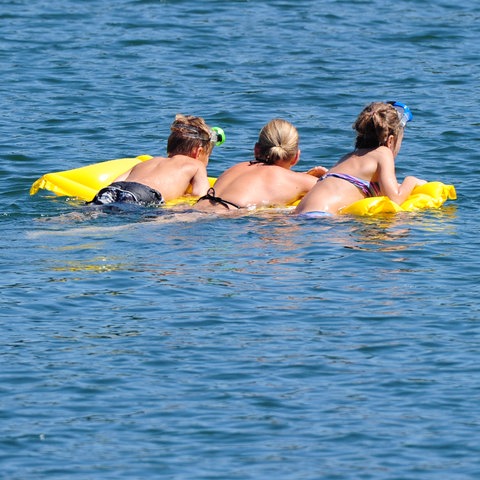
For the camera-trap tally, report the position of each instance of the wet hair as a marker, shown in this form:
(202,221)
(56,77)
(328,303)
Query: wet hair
(375,124)
(277,142)
(187,134)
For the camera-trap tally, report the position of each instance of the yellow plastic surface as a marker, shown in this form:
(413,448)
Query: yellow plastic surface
(429,195)
(85,182)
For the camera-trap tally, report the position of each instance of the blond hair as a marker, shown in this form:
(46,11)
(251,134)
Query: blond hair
(277,142)
(187,134)
(375,124)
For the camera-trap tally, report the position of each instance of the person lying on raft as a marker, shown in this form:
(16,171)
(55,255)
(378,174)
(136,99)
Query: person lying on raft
(159,179)
(266,181)
(369,170)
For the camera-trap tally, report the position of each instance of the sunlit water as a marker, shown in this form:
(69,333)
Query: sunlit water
(172,344)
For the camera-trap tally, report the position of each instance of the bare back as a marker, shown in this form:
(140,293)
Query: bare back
(256,184)
(171,176)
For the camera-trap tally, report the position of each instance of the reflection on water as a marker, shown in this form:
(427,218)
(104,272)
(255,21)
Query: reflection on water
(392,232)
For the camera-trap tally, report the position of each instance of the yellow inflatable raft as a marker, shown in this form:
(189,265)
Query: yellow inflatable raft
(85,182)
(429,195)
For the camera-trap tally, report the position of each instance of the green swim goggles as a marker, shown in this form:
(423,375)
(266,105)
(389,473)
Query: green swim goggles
(216,135)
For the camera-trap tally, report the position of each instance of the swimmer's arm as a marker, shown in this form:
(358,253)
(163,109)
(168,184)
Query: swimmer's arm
(389,185)
(317,171)
(302,182)
(199,182)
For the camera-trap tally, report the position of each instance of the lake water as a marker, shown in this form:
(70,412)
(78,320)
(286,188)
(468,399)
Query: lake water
(175,345)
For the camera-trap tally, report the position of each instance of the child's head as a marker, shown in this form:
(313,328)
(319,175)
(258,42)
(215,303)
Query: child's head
(188,133)
(277,142)
(376,123)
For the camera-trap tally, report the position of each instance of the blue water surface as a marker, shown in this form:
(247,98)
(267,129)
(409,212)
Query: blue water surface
(172,344)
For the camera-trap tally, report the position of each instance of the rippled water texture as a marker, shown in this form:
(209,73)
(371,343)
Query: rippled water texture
(171,344)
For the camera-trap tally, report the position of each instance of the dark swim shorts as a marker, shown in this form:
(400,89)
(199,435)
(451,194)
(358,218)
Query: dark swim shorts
(128,192)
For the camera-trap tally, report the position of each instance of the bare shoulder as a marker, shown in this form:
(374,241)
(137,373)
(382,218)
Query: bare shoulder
(290,178)
(156,159)
(383,152)
(152,162)
(383,157)
(242,166)
(237,169)
(183,163)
